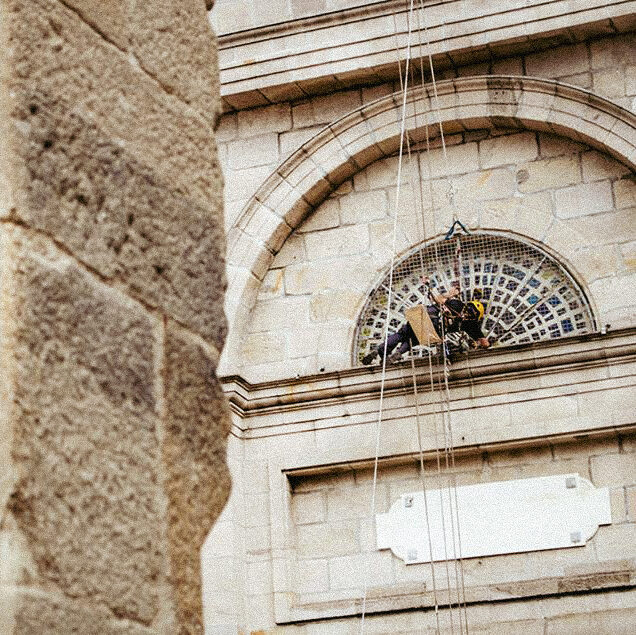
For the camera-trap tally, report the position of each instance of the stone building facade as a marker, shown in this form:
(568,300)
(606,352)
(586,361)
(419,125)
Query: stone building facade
(537,106)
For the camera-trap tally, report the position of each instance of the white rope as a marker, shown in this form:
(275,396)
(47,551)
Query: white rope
(445,361)
(386,327)
(423,483)
(448,442)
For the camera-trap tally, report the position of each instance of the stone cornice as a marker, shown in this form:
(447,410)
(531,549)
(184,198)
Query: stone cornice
(250,400)
(333,51)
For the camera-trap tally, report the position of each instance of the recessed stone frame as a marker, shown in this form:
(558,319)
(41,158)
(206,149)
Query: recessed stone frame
(528,295)
(372,132)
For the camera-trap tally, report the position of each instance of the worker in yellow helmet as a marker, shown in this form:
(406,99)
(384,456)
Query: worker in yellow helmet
(459,315)
(471,316)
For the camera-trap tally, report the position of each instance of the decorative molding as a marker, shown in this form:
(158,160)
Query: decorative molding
(250,400)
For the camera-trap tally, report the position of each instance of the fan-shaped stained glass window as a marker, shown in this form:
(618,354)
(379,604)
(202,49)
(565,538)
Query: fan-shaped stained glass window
(527,295)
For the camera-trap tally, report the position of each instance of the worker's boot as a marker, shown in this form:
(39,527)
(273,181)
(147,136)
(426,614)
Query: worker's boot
(369,357)
(394,358)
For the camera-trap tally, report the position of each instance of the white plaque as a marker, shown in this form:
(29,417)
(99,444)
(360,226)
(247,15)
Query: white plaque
(548,512)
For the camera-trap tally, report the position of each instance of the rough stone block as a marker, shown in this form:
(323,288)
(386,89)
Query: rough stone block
(609,83)
(625,193)
(285,312)
(551,145)
(276,118)
(484,185)
(549,173)
(38,612)
(571,60)
(260,348)
(327,540)
(328,108)
(630,80)
(123,175)
(196,423)
(335,305)
(241,185)
(459,160)
(85,414)
(383,173)
(363,207)
(54,58)
(272,286)
(158,34)
(306,278)
(227,128)
(611,52)
(309,508)
(617,504)
(628,254)
(293,250)
(327,216)
(261,149)
(613,293)
(597,166)
(596,262)
(338,242)
(517,148)
(614,470)
(294,139)
(583,80)
(584,199)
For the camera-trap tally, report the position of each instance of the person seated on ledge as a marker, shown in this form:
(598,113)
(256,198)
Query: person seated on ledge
(447,307)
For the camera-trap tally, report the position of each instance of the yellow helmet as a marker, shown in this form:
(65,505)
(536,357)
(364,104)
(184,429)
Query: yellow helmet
(479,307)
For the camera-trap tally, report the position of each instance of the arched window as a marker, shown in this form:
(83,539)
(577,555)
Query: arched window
(528,296)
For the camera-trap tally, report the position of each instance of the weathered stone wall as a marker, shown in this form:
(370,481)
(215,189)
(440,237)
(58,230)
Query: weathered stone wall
(112,462)
(253,142)
(297,534)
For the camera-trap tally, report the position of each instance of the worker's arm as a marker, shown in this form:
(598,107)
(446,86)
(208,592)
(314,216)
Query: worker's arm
(440,298)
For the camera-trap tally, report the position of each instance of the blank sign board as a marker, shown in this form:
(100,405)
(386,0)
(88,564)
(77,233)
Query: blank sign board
(532,514)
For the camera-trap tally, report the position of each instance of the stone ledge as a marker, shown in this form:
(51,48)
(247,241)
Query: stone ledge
(614,576)
(248,400)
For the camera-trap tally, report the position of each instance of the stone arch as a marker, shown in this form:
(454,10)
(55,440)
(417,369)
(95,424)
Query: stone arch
(372,132)
(515,275)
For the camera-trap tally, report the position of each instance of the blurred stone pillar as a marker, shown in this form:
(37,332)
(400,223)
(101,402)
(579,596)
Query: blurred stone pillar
(112,424)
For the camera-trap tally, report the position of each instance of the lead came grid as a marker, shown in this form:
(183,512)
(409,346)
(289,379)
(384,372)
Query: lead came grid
(527,295)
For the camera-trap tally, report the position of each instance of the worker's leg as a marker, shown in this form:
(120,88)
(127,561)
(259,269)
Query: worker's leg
(391,342)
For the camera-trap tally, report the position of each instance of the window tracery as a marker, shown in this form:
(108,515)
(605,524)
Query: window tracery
(528,296)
